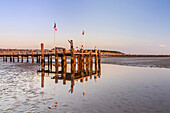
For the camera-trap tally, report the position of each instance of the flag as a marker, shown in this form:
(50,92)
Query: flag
(83,32)
(55,28)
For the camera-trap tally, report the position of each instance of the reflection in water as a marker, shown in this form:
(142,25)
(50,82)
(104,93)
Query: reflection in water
(68,77)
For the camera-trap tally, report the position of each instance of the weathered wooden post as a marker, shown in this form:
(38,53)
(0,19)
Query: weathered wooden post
(42,56)
(91,64)
(22,57)
(3,58)
(72,63)
(78,63)
(96,60)
(37,57)
(18,56)
(27,55)
(48,61)
(99,61)
(82,63)
(75,64)
(87,63)
(32,56)
(13,57)
(10,57)
(64,66)
(63,60)
(51,62)
(6,58)
(56,61)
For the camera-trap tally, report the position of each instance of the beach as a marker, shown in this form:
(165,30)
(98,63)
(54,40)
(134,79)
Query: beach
(136,88)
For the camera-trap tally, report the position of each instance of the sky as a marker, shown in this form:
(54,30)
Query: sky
(129,26)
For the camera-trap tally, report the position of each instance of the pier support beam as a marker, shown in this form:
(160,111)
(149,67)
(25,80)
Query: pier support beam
(22,59)
(87,64)
(42,56)
(72,62)
(56,61)
(27,56)
(32,57)
(91,64)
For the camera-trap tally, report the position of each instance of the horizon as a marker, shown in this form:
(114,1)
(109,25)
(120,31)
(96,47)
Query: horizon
(128,26)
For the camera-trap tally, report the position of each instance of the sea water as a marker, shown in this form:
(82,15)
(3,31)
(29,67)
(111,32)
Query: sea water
(120,89)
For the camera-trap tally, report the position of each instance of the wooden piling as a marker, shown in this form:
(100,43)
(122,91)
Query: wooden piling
(3,58)
(51,62)
(87,64)
(18,56)
(10,57)
(82,63)
(72,62)
(96,60)
(48,62)
(63,60)
(99,61)
(32,57)
(22,59)
(42,56)
(27,56)
(13,58)
(78,64)
(56,61)
(37,57)
(6,58)
(91,64)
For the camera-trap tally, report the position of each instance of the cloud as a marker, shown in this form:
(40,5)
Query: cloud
(161,45)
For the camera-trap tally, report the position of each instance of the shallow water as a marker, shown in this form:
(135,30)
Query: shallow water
(120,89)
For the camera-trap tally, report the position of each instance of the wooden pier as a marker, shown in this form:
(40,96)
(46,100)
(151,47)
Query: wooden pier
(82,62)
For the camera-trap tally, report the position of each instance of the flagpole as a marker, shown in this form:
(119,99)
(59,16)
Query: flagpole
(54,40)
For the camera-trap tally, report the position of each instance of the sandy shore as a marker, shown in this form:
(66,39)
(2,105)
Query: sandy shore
(161,62)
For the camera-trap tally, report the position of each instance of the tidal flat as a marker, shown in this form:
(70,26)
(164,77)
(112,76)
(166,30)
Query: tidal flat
(120,89)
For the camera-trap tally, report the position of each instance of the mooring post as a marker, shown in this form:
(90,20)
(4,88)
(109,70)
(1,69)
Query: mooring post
(56,61)
(87,63)
(96,60)
(91,63)
(42,56)
(82,63)
(72,62)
